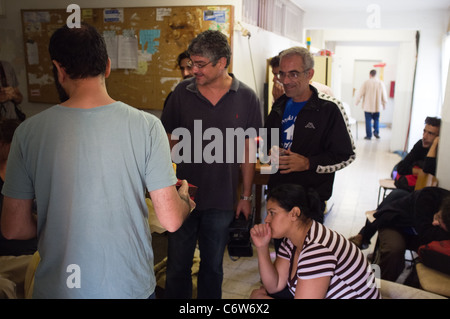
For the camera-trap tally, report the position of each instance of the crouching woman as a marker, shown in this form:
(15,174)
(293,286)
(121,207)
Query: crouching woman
(313,262)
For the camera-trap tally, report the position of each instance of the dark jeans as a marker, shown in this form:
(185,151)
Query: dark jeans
(376,123)
(210,228)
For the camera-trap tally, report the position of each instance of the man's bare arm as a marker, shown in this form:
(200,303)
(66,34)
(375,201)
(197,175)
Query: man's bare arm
(172,207)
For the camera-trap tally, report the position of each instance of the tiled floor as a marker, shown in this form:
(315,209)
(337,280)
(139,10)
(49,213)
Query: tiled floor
(355,192)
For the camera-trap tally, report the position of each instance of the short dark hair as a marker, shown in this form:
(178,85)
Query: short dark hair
(211,44)
(289,196)
(80,51)
(433,121)
(181,56)
(373,72)
(275,61)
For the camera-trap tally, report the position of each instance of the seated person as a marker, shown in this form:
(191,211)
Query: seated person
(406,223)
(421,157)
(292,214)
(15,255)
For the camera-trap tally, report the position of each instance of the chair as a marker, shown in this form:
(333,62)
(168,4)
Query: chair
(423,180)
(351,120)
(386,185)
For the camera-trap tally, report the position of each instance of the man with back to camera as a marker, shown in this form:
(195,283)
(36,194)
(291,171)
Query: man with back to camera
(88,162)
(314,132)
(373,94)
(218,101)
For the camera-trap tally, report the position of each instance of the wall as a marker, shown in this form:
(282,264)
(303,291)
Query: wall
(345,56)
(427,99)
(394,47)
(262,44)
(443,169)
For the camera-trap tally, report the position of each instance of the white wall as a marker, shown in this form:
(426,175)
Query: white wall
(443,169)
(431,24)
(263,44)
(426,99)
(346,55)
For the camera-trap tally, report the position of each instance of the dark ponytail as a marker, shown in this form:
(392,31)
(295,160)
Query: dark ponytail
(289,196)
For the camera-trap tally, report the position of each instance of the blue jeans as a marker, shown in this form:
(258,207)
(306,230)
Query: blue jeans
(210,228)
(376,125)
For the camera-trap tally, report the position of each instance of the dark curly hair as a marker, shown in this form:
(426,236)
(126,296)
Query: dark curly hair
(211,44)
(289,196)
(80,51)
(433,121)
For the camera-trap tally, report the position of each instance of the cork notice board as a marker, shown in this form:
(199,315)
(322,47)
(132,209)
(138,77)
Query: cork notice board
(143,44)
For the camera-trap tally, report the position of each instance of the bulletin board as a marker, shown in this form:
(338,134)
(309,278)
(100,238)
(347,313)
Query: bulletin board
(143,44)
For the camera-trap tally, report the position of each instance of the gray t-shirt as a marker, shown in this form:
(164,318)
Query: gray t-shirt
(88,170)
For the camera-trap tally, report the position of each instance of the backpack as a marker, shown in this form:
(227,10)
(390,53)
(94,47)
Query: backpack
(406,182)
(436,255)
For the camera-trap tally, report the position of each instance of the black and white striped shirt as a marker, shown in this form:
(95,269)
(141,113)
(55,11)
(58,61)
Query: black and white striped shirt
(327,253)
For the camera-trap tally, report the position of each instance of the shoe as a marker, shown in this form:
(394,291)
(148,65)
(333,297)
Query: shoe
(357,240)
(367,138)
(377,136)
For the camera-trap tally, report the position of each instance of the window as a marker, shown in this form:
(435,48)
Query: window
(277,16)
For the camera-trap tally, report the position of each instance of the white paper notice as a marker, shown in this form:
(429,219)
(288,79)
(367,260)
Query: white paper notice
(128,52)
(112,48)
(32,53)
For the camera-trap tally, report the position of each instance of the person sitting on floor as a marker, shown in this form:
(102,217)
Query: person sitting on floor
(406,223)
(291,214)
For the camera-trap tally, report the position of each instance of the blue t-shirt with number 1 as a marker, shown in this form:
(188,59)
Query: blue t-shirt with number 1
(288,123)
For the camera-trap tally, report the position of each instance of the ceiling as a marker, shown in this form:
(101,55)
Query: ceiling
(361,5)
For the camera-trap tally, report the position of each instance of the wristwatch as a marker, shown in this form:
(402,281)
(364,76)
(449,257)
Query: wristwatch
(247,197)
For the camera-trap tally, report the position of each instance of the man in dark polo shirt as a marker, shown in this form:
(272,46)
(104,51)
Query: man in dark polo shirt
(199,116)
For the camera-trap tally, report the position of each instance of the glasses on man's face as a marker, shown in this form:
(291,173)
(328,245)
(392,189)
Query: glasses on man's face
(291,75)
(199,65)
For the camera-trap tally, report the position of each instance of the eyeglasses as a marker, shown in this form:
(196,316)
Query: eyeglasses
(198,65)
(292,75)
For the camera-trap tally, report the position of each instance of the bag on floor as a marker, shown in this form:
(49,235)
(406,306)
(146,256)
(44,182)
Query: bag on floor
(436,255)
(239,244)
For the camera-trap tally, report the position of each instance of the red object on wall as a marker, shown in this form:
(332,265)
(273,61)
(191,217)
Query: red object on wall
(391,93)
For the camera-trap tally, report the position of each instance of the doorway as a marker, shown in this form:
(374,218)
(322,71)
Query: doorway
(361,71)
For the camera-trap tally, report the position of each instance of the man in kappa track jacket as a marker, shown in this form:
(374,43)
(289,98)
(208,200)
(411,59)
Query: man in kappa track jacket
(319,141)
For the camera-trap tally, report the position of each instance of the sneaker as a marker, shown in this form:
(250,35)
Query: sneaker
(377,136)
(367,138)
